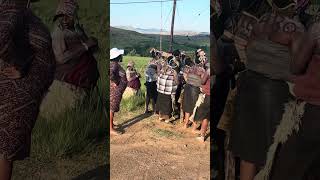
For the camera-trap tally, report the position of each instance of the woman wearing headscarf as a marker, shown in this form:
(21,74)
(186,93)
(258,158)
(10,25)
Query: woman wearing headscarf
(192,88)
(27,71)
(118,84)
(202,113)
(151,75)
(77,72)
(73,50)
(263,91)
(133,78)
(167,85)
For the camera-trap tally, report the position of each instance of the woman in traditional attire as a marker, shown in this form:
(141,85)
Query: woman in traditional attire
(151,81)
(301,152)
(133,78)
(192,87)
(118,84)
(202,113)
(167,84)
(77,72)
(27,71)
(263,90)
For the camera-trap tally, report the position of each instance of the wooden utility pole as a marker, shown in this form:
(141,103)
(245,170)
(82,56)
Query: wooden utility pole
(161,29)
(172,23)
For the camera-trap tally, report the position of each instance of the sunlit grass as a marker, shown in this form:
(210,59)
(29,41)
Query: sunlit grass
(76,129)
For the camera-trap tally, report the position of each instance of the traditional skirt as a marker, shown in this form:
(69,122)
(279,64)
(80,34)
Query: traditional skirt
(62,96)
(130,92)
(116,93)
(228,115)
(299,157)
(164,104)
(259,109)
(20,99)
(191,94)
(203,111)
(151,88)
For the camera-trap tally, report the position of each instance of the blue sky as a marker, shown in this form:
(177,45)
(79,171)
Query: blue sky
(149,15)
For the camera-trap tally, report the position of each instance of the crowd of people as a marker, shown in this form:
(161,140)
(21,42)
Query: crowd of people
(266,101)
(177,86)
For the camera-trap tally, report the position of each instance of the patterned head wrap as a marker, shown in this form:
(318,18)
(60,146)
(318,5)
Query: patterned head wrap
(130,64)
(66,7)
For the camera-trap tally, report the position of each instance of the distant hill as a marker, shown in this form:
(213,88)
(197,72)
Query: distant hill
(164,32)
(139,44)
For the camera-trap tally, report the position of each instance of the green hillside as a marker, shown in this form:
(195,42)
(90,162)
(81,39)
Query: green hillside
(140,44)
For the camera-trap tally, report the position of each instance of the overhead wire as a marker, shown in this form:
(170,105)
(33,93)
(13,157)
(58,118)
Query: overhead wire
(143,2)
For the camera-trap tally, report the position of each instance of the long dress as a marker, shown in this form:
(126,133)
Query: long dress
(118,84)
(20,98)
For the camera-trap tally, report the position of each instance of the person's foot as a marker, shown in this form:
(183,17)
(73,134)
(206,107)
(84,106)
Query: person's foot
(146,111)
(195,127)
(181,120)
(115,132)
(186,125)
(195,131)
(161,119)
(201,138)
(168,120)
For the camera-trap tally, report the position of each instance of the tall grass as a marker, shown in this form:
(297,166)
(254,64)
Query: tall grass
(77,128)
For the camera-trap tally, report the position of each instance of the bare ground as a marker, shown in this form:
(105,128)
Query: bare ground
(88,165)
(150,149)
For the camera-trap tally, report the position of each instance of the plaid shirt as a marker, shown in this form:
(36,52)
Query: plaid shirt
(167,84)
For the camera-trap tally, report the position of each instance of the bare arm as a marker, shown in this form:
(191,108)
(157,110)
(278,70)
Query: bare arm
(204,78)
(60,50)
(302,48)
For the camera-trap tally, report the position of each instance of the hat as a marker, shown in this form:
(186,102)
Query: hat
(115,52)
(66,7)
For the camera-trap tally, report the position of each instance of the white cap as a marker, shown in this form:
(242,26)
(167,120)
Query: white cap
(115,52)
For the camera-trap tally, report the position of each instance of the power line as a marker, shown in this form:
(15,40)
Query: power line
(167,18)
(143,2)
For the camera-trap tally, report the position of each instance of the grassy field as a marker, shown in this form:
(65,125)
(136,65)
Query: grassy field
(78,128)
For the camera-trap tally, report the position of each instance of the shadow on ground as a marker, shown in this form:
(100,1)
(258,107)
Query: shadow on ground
(99,173)
(134,120)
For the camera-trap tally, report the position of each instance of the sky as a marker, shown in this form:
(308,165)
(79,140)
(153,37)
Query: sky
(191,15)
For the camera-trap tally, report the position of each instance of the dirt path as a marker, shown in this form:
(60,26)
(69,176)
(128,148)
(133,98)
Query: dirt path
(88,165)
(150,149)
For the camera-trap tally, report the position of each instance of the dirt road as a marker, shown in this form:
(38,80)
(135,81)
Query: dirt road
(150,149)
